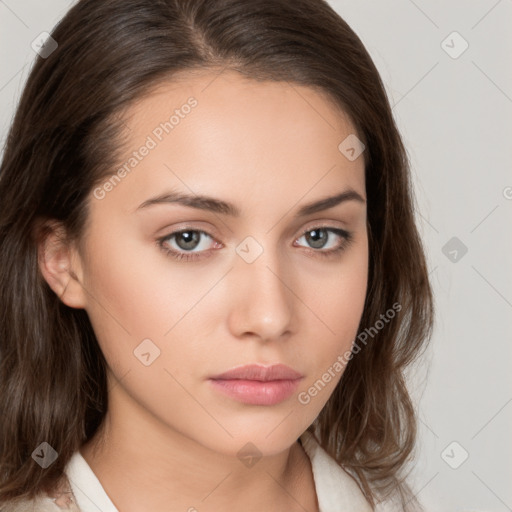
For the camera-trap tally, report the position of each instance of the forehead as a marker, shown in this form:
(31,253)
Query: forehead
(231,96)
(217,133)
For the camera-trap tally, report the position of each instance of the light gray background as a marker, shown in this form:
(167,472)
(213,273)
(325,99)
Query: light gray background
(455,115)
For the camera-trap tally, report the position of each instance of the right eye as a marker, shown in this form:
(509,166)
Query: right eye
(185,240)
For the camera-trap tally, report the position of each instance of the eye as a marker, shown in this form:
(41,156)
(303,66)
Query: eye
(319,237)
(186,241)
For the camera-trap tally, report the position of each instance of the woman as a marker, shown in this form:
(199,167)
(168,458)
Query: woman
(211,278)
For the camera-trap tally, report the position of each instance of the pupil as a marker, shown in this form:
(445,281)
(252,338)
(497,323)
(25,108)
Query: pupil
(317,238)
(190,239)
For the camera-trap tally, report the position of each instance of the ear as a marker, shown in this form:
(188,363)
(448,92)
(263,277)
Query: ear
(61,265)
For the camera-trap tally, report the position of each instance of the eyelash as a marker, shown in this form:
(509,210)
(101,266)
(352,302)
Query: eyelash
(189,256)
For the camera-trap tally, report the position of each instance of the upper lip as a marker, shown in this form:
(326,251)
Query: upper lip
(261,373)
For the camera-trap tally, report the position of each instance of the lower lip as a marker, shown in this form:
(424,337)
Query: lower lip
(256,392)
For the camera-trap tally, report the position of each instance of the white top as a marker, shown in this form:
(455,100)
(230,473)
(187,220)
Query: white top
(336,490)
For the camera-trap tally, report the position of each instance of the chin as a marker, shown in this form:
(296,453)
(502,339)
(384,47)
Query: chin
(262,438)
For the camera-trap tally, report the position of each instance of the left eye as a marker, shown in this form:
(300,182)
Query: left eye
(319,236)
(189,239)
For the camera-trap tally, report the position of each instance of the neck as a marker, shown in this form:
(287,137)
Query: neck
(143,465)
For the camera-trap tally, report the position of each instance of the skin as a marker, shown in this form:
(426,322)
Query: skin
(169,440)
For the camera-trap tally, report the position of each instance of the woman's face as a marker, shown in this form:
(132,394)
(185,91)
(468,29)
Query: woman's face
(263,281)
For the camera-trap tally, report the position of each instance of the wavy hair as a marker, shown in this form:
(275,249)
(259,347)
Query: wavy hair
(66,136)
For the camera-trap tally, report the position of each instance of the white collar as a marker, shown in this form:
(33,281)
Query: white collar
(336,490)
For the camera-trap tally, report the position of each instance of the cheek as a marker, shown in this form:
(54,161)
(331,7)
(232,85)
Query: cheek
(140,306)
(337,306)
(137,287)
(145,308)
(339,300)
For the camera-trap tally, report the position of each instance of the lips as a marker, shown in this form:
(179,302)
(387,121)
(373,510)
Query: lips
(260,373)
(258,385)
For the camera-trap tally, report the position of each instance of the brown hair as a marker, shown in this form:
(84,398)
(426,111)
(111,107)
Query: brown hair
(110,53)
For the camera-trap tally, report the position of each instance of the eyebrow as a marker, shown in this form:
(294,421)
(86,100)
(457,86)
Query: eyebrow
(212,204)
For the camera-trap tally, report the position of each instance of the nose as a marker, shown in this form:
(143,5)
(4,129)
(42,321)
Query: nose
(262,298)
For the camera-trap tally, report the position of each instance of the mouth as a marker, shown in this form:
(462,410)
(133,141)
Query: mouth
(258,385)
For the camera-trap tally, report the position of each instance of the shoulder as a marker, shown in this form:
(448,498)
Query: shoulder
(62,498)
(39,504)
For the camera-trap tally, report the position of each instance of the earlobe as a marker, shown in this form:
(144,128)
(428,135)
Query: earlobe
(60,265)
